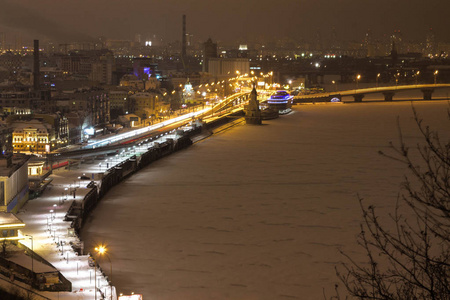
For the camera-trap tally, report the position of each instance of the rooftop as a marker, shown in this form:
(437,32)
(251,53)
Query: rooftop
(8,219)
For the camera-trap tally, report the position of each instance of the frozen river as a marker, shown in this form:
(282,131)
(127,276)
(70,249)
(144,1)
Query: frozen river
(256,212)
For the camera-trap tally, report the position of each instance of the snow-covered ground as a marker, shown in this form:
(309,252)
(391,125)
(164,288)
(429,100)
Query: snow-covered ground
(47,233)
(257,212)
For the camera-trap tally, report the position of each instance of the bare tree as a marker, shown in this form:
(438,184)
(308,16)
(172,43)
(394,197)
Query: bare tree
(410,260)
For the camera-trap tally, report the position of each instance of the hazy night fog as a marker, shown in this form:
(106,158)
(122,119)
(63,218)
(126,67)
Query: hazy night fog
(224,149)
(226,21)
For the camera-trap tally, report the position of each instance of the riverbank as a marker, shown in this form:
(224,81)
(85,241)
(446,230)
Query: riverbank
(54,219)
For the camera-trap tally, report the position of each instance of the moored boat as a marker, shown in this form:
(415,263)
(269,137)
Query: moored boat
(281,101)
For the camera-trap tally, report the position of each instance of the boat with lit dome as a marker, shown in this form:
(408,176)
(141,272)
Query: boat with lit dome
(281,101)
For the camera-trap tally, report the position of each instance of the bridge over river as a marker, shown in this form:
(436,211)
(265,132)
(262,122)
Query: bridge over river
(358,94)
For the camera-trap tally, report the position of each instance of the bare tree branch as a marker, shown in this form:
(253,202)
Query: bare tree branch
(413,260)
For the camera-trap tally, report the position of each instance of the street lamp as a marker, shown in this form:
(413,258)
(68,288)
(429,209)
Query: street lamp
(102,250)
(335,85)
(358,77)
(378,76)
(417,75)
(32,255)
(435,75)
(95,278)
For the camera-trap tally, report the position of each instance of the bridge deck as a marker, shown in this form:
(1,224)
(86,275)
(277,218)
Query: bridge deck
(395,88)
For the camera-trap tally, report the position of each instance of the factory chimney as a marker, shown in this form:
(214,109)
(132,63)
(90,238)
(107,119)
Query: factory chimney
(183,49)
(36,72)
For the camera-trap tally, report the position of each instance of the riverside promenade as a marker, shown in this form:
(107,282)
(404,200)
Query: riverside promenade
(52,236)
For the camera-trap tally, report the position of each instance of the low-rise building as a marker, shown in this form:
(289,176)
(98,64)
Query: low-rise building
(13,182)
(225,67)
(38,133)
(132,82)
(118,100)
(5,137)
(94,101)
(10,227)
(32,136)
(130,120)
(148,106)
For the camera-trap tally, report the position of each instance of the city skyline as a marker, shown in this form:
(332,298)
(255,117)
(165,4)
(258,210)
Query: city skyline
(226,21)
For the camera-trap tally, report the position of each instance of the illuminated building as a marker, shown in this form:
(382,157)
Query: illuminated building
(252,111)
(32,136)
(145,69)
(132,82)
(13,182)
(224,67)
(10,227)
(188,93)
(147,105)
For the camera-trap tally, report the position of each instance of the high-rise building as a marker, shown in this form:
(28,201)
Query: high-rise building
(36,71)
(2,42)
(397,39)
(138,38)
(430,43)
(210,51)
(335,45)
(18,43)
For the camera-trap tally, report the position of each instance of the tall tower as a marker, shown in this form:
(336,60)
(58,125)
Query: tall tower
(252,111)
(183,40)
(36,71)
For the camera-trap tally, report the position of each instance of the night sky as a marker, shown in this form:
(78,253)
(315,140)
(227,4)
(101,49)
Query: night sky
(224,20)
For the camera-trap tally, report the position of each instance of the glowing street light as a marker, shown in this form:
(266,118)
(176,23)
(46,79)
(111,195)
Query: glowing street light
(101,250)
(435,75)
(378,76)
(358,77)
(95,278)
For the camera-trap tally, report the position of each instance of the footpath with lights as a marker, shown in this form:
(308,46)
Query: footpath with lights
(49,230)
